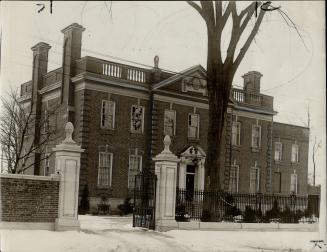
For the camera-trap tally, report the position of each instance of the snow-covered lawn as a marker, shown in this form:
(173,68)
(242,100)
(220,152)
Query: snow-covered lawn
(104,234)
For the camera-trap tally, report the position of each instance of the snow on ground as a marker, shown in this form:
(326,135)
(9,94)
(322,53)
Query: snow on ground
(104,234)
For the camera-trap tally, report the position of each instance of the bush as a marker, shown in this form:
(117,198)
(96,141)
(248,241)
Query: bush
(289,216)
(249,215)
(231,209)
(84,207)
(126,207)
(206,216)
(274,213)
(181,214)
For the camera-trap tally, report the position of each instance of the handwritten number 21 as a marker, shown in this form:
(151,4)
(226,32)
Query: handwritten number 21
(43,7)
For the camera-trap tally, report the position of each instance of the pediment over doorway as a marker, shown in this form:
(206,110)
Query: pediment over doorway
(193,151)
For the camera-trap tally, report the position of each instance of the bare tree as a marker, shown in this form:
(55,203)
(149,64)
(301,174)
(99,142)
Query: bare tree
(220,72)
(18,139)
(315,147)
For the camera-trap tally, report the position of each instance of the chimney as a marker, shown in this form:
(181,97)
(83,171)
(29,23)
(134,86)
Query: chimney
(252,82)
(71,53)
(40,67)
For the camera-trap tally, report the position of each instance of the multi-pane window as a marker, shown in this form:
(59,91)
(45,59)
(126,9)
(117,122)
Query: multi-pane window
(105,169)
(108,114)
(193,125)
(256,136)
(46,164)
(135,166)
(278,151)
(169,122)
(236,133)
(137,119)
(254,179)
(293,188)
(295,153)
(234,178)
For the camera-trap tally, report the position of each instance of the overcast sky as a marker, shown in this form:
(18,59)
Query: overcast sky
(293,70)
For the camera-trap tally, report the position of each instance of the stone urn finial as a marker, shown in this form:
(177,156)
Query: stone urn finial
(69,129)
(156,61)
(167,142)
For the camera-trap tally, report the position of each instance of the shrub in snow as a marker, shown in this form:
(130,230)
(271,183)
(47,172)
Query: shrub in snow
(180,214)
(273,215)
(84,206)
(104,206)
(249,215)
(126,207)
(231,209)
(206,216)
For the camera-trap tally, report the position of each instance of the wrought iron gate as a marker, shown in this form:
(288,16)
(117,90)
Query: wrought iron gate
(145,200)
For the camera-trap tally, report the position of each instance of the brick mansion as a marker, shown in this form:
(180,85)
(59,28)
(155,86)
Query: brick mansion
(121,114)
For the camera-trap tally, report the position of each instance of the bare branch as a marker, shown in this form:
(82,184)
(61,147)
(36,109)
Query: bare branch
(248,42)
(17,126)
(196,7)
(283,14)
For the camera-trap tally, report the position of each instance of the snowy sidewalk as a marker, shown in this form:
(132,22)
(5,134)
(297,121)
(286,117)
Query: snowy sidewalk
(104,234)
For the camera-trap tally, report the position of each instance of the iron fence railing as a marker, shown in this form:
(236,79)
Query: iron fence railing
(242,207)
(144,200)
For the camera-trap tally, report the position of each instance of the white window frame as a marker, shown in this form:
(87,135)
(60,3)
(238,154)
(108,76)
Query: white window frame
(46,122)
(110,170)
(257,186)
(129,165)
(113,115)
(278,154)
(259,141)
(174,129)
(142,128)
(46,164)
(296,154)
(198,126)
(293,175)
(236,133)
(237,167)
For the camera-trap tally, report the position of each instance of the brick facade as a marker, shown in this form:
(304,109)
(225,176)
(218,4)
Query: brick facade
(93,80)
(26,199)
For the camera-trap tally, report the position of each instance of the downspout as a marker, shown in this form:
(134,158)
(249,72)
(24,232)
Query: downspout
(63,72)
(150,134)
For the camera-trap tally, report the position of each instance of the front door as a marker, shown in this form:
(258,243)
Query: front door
(190,173)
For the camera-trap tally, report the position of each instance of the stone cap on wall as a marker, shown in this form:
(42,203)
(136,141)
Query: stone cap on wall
(52,177)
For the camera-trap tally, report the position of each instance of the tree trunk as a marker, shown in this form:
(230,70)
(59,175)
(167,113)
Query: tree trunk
(219,81)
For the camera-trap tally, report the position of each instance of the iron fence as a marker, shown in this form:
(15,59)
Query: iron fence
(144,200)
(220,206)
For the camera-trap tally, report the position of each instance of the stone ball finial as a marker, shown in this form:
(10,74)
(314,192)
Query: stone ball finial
(167,142)
(69,129)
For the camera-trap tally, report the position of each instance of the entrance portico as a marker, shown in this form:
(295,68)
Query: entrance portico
(191,169)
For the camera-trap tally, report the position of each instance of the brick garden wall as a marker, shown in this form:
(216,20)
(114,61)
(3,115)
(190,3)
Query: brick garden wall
(26,198)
